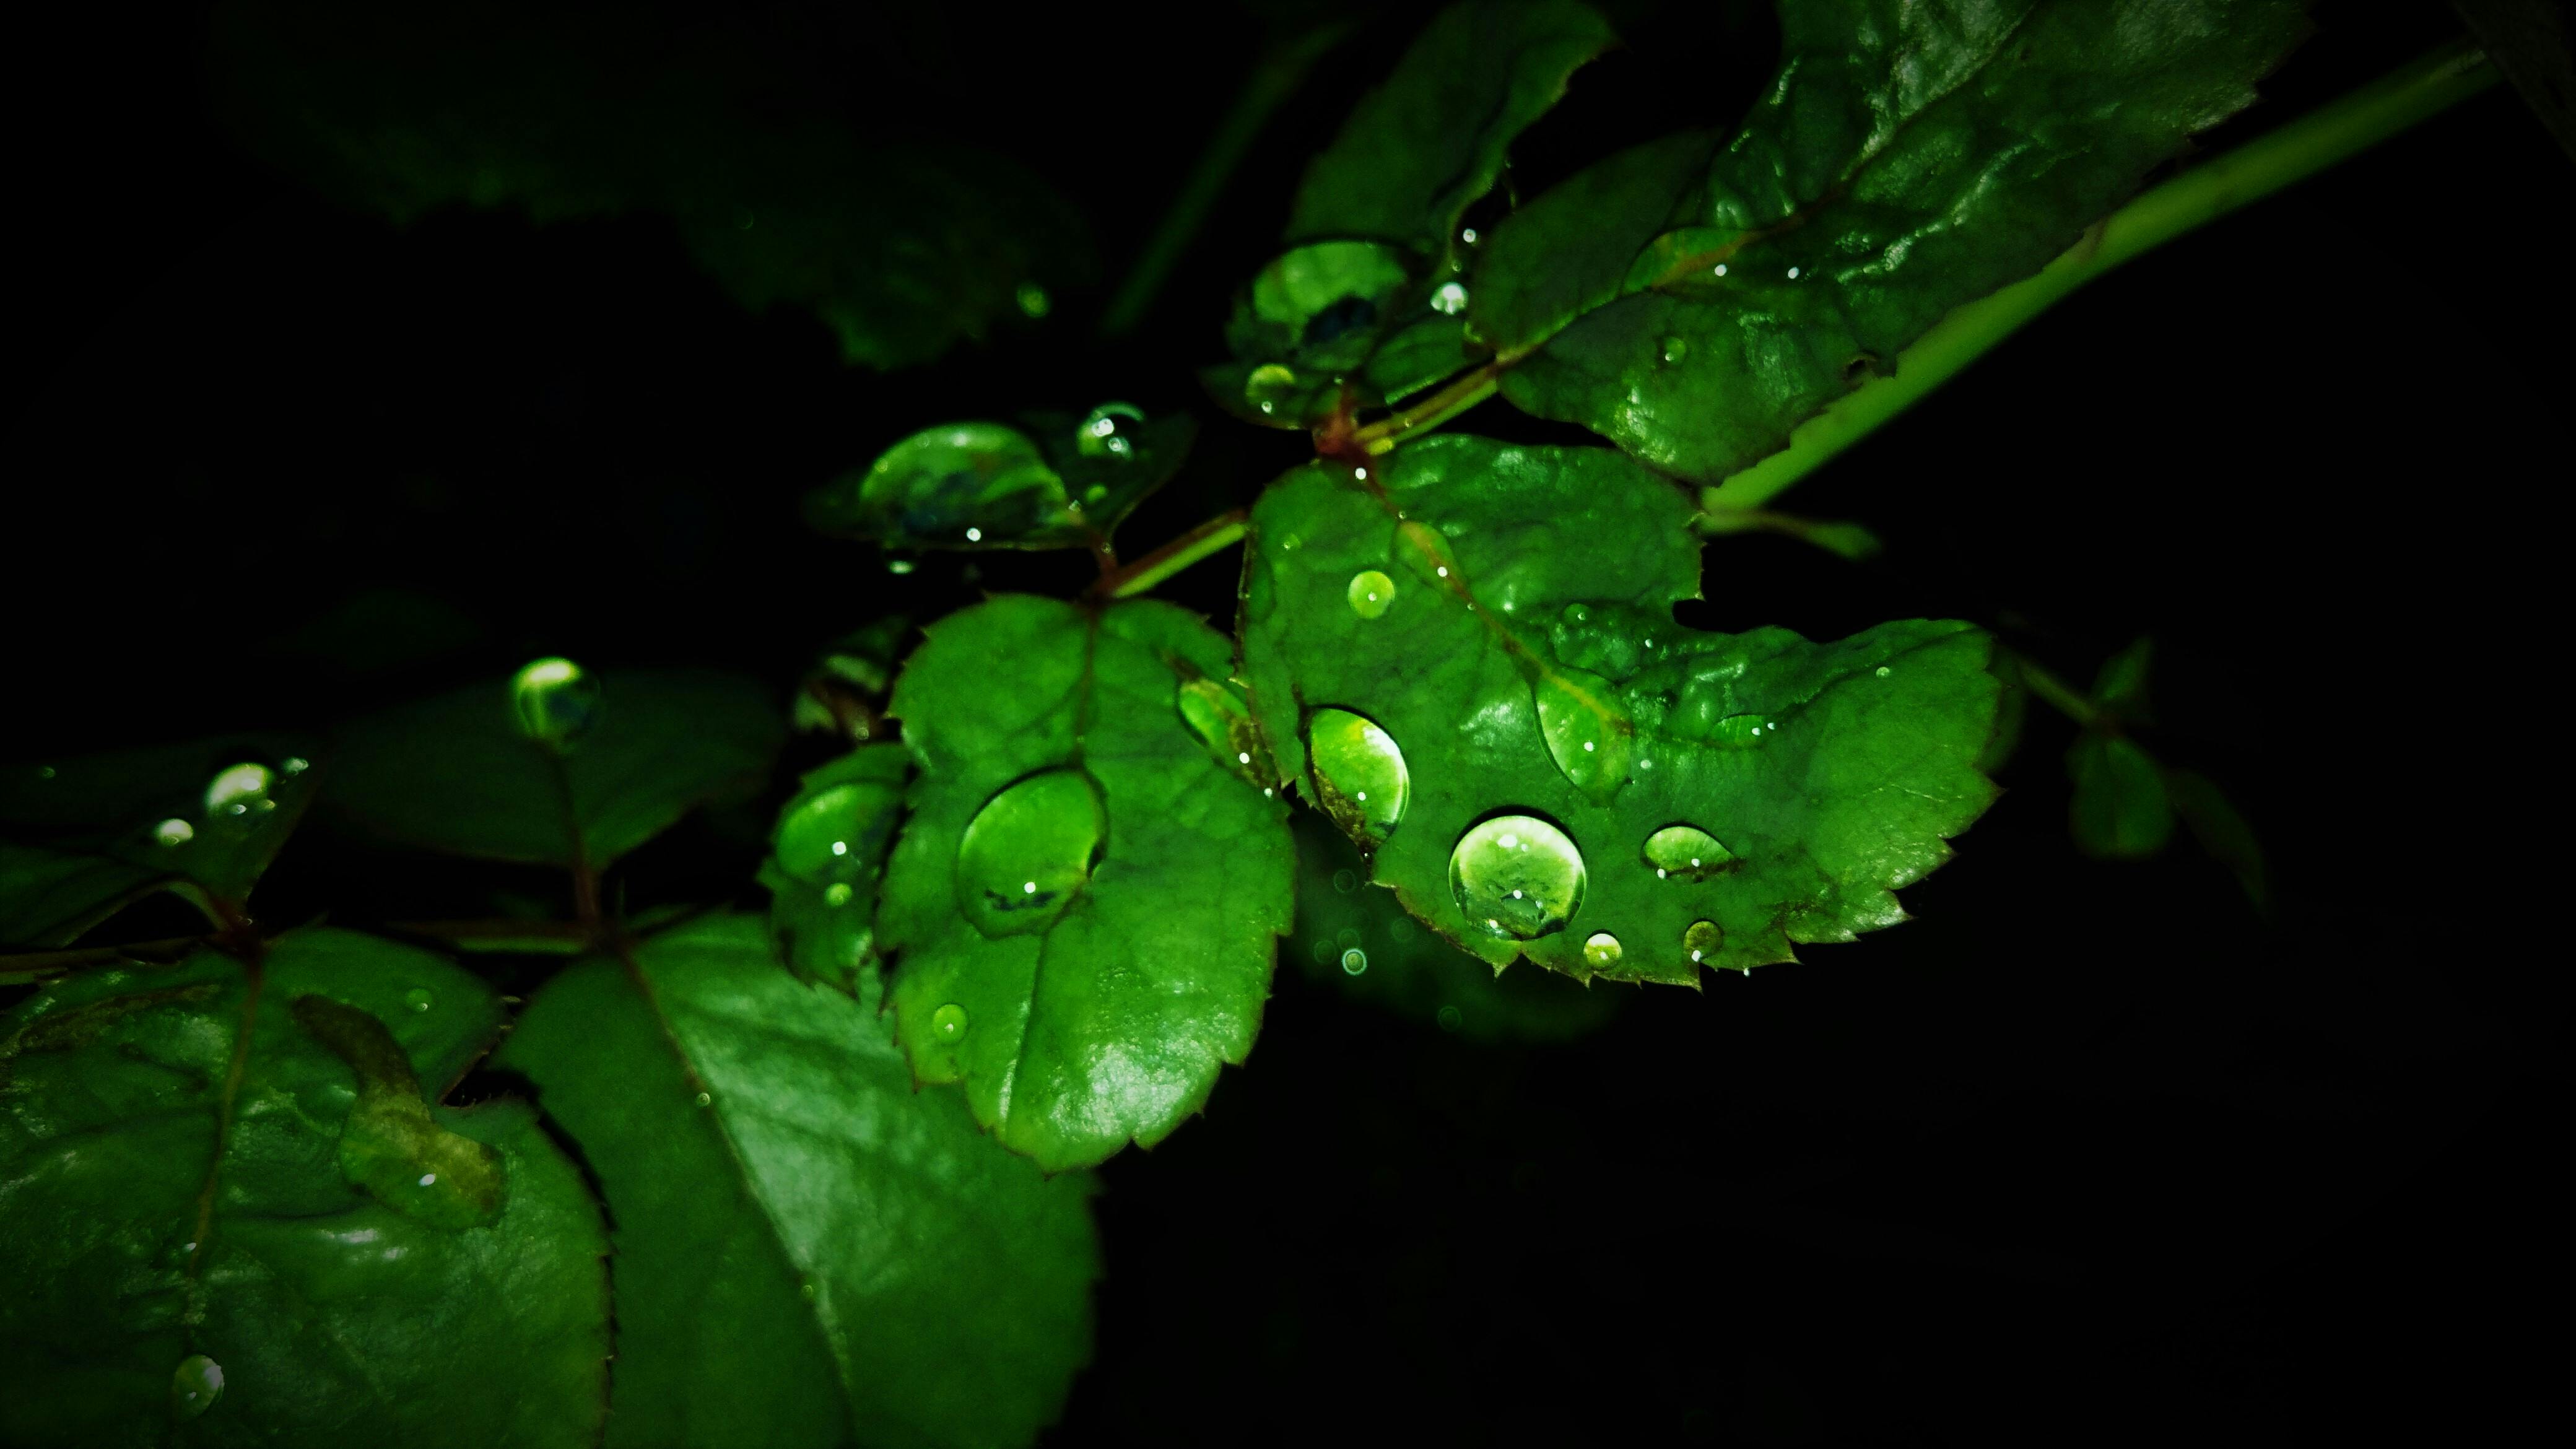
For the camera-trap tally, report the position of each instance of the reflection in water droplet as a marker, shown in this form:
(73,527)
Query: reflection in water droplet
(948,1023)
(418,999)
(1450,1017)
(1676,348)
(1029,851)
(1354,962)
(1601,949)
(1449,299)
(837,894)
(239,790)
(1588,734)
(1346,881)
(556,702)
(1371,593)
(1517,877)
(1110,431)
(1360,773)
(174,832)
(706,1099)
(1216,715)
(1686,851)
(195,1386)
(1701,941)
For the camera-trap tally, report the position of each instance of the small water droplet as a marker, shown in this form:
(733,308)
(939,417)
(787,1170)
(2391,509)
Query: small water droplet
(1701,941)
(1029,852)
(1359,772)
(974,535)
(1739,731)
(1467,234)
(556,702)
(1676,347)
(1884,671)
(1354,962)
(837,894)
(836,832)
(948,1023)
(1793,274)
(1269,385)
(1033,299)
(1721,269)
(1110,431)
(806,1290)
(1371,593)
(899,566)
(429,1179)
(1588,733)
(1449,299)
(174,832)
(706,1099)
(419,999)
(1450,1018)
(1346,881)
(195,1385)
(294,765)
(1686,851)
(1601,949)
(1519,875)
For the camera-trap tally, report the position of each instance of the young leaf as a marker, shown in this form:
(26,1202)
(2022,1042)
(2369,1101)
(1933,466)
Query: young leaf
(1084,902)
(458,773)
(1468,657)
(809,1252)
(2121,686)
(1843,221)
(227,1202)
(986,485)
(2221,831)
(1356,937)
(824,859)
(2119,809)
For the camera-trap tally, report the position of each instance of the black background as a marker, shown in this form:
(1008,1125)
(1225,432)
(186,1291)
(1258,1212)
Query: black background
(2091,1150)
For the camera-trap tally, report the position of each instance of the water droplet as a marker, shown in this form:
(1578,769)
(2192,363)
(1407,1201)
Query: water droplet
(1588,734)
(239,790)
(899,566)
(1346,881)
(706,1099)
(1359,772)
(556,702)
(1884,671)
(1739,731)
(974,535)
(418,999)
(1601,949)
(1110,431)
(1676,348)
(1216,715)
(1269,385)
(1721,269)
(948,1023)
(429,1179)
(1518,876)
(294,765)
(174,832)
(1354,962)
(195,1386)
(836,833)
(1701,941)
(1467,235)
(1449,299)
(1686,851)
(1793,274)
(806,1290)
(1450,1018)
(1371,593)
(1033,299)
(1029,851)
(837,894)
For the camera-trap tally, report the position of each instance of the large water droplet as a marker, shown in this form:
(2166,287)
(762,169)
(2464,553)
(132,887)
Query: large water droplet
(1111,430)
(837,833)
(1270,386)
(1517,877)
(1601,949)
(1701,941)
(1371,593)
(1449,299)
(1029,851)
(174,832)
(195,1385)
(948,1023)
(1354,962)
(1687,852)
(1360,774)
(239,791)
(556,702)
(1588,734)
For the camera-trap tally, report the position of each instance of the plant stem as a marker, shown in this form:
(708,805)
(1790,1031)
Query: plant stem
(1275,77)
(2342,128)
(31,966)
(1220,532)
(2053,691)
(1467,390)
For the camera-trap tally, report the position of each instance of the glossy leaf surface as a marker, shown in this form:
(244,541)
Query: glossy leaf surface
(1085,898)
(824,861)
(238,1191)
(1908,158)
(809,1251)
(455,773)
(1552,719)
(1062,484)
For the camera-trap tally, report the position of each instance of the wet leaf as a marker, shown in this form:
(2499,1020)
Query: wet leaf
(1909,158)
(809,1251)
(198,1190)
(971,485)
(1552,722)
(1084,901)
(825,856)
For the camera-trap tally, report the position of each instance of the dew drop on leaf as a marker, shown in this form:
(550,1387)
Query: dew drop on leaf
(418,999)
(1701,941)
(238,791)
(1110,431)
(1517,877)
(1360,773)
(1029,852)
(827,834)
(1215,714)
(1371,593)
(1449,299)
(1269,385)
(1739,731)
(1676,348)
(1588,734)
(174,832)
(837,894)
(706,1099)
(1354,962)
(556,702)
(195,1386)
(1601,949)
(948,1023)
(1686,852)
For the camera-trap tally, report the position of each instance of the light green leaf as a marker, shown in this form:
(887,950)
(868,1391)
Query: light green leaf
(456,774)
(1575,777)
(825,856)
(2119,808)
(986,485)
(1084,902)
(809,1251)
(1910,157)
(213,1215)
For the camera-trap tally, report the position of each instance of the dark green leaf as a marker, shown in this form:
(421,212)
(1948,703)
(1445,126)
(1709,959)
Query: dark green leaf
(2119,809)
(1469,659)
(1339,325)
(987,485)
(1357,937)
(1909,158)
(455,773)
(809,1251)
(2220,830)
(1084,901)
(825,856)
(2121,687)
(1569,251)
(203,1195)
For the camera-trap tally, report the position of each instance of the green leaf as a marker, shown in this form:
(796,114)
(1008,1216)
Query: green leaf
(456,774)
(825,856)
(1908,158)
(1357,938)
(2119,809)
(1084,901)
(809,1252)
(2121,687)
(987,485)
(1469,659)
(204,1196)
(90,835)
(2220,829)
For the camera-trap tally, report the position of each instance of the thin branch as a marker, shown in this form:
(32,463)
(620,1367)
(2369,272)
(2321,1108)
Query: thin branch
(1220,532)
